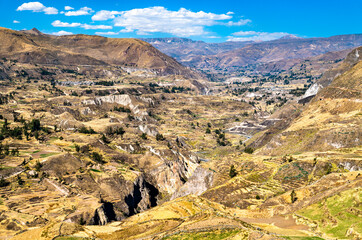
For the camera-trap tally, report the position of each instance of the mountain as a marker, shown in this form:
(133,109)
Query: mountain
(186,50)
(330,121)
(37,48)
(277,50)
(233,55)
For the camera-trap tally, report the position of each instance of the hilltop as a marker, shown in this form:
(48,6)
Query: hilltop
(33,47)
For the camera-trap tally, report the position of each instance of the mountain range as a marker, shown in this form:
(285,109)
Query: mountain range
(233,55)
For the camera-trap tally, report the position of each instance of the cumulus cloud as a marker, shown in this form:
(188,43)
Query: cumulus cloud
(37,7)
(80,12)
(15,21)
(107,33)
(87,26)
(105,15)
(68,8)
(58,23)
(182,23)
(255,36)
(241,22)
(61,33)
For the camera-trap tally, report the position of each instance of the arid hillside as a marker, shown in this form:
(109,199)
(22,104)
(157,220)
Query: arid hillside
(37,48)
(331,120)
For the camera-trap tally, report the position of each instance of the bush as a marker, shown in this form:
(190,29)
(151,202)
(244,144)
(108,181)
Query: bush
(77,148)
(232,172)
(86,130)
(144,136)
(97,157)
(3,182)
(249,150)
(293,196)
(38,166)
(160,137)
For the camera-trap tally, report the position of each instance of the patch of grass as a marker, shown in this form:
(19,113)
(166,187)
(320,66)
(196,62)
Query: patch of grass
(71,238)
(44,155)
(343,208)
(212,235)
(36,151)
(95,170)
(302,238)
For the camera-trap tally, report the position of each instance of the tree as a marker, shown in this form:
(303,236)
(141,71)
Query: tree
(249,150)
(144,136)
(293,196)
(35,125)
(97,157)
(160,137)
(38,166)
(232,172)
(104,139)
(19,180)
(3,182)
(77,148)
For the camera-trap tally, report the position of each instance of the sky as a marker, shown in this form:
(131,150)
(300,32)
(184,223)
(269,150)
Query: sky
(210,21)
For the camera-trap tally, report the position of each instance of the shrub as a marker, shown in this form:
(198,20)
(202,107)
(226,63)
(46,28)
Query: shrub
(232,172)
(3,182)
(160,137)
(97,157)
(86,130)
(249,150)
(144,136)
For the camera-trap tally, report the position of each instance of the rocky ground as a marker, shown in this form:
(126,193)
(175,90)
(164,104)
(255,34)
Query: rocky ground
(155,157)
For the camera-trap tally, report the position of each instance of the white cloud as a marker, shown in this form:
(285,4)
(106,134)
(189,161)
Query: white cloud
(105,15)
(107,33)
(68,8)
(230,13)
(87,26)
(58,23)
(50,10)
(61,33)
(15,21)
(37,7)
(255,36)
(80,12)
(241,22)
(158,19)
(126,30)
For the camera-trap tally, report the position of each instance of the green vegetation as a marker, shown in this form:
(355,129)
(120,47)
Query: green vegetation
(160,137)
(337,214)
(212,235)
(87,130)
(232,172)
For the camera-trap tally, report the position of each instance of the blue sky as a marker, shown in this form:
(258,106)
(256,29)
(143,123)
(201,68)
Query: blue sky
(211,21)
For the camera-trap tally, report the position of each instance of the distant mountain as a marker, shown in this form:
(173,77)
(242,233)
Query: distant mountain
(37,48)
(186,50)
(331,119)
(290,36)
(232,55)
(281,49)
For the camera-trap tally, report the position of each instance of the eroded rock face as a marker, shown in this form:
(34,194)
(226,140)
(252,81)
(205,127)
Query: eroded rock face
(149,130)
(134,103)
(199,182)
(177,167)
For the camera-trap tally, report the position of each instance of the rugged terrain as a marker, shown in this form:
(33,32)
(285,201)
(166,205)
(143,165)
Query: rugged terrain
(116,151)
(33,47)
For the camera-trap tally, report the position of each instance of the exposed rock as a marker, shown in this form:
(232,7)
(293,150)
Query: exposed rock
(199,182)
(149,130)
